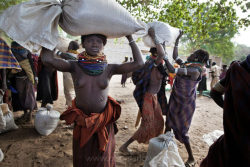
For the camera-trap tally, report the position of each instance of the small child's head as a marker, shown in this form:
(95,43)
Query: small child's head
(73,45)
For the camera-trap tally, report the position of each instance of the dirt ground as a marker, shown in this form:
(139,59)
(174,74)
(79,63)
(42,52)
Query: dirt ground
(24,147)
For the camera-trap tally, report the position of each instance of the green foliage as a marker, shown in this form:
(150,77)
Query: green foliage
(241,52)
(4,4)
(223,48)
(211,24)
(5,37)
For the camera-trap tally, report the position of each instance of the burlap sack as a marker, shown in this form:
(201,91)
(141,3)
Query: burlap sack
(163,31)
(46,120)
(35,23)
(8,117)
(1,155)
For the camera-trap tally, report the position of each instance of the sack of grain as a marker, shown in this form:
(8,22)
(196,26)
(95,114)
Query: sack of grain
(8,118)
(46,120)
(35,23)
(1,155)
(163,31)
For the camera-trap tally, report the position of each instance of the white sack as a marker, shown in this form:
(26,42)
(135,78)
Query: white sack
(9,119)
(163,31)
(156,145)
(35,22)
(63,44)
(97,16)
(1,155)
(211,137)
(2,120)
(168,157)
(46,120)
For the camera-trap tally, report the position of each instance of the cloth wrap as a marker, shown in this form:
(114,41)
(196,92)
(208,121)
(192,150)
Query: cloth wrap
(233,148)
(141,78)
(7,59)
(87,125)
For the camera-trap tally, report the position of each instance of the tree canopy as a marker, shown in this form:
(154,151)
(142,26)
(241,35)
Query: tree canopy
(207,24)
(241,52)
(4,4)
(210,25)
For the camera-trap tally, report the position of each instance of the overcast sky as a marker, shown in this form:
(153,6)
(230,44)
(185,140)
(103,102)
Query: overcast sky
(244,36)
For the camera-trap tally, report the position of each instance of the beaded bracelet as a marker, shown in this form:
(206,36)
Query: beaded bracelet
(131,42)
(58,53)
(156,41)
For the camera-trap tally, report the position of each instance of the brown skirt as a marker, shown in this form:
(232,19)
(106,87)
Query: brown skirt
(90,155)
(152,122)
(26,93)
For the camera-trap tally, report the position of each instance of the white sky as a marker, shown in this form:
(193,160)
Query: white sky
(243,37)
(244,34)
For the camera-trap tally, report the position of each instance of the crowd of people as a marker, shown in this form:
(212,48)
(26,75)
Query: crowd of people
(94,113)
(20,85)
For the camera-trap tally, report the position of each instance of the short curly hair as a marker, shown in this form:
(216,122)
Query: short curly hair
(73,45)
(153,50)
(201,56)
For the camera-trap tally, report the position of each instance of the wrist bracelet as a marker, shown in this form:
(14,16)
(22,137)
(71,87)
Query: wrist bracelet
(131,42)
(58,53)
(165,58)
(156,41)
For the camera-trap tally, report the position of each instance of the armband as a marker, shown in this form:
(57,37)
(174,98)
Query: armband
(165,58)
(156,41)
(58,53)
(176,70)
(130,42)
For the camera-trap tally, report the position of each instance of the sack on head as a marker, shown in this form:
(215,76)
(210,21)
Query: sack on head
(35,23)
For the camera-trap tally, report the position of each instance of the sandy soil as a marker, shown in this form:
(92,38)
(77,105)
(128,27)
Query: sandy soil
(26,148)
